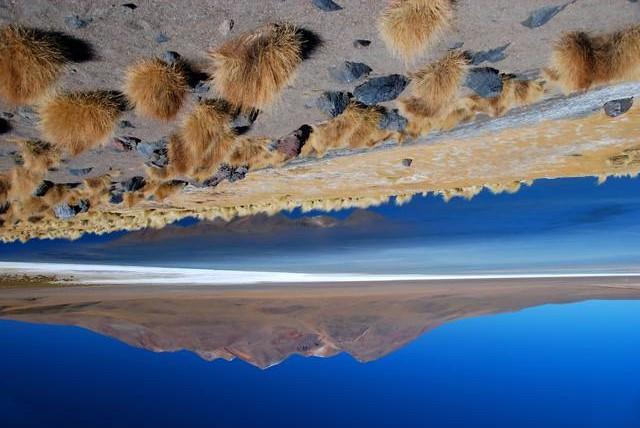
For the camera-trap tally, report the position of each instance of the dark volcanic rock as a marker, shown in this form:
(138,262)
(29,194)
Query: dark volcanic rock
(291,145)
(491,55)
(133,184)
(80,172)
(43,188)
(202,87)
(116,198)
(155,152)
(82,207)
(170,57)
(393,120)
(333,103)
(541,16)
(64,211)
(407,162)
(131,6)
(361,43)
(484,81)
(5,126)
(226,172)
(327,5)
(615,108)
(381,89)
(348,71)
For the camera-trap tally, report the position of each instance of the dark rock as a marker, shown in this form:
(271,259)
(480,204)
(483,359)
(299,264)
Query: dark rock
(238,173)
(615,108)
(226,172)
(64,211)
(151,149)
(361,43)
(291,145)
(226,26)
(116,198)
(43,188)
(381,89)
(484,81)
(327,5)
(131,6)
(333,103)
(82,207)
(80,172)
(126,143)
(170,57)
(4,207)
(76,22)
(407,162)
(133,184)
(393,120)
(348,71)
(491,55)
(6,115)
(541,16)
(202,87)
(5,126)
(124,124)
(161,38)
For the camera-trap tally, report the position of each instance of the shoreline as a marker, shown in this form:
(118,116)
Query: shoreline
(91,274)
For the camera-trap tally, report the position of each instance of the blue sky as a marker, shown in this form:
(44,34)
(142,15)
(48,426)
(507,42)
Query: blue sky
(555,225)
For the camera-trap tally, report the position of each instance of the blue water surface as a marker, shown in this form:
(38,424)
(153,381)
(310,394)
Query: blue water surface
(570,365)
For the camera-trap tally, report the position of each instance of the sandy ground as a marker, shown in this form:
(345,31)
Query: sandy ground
(265,324)
(121,35)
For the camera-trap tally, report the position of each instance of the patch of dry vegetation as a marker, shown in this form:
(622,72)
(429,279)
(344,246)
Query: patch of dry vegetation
(408,27)
(251,70)
(30,63)
(78,121)
(156,89)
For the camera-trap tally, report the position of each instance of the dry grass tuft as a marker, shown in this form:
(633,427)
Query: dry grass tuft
(156,89)
(581,61)
(250,70)
(408,27)
(78,121)
(205,140)
(431,96)
(30,63)
(357,127)
(255,153)
(38,155)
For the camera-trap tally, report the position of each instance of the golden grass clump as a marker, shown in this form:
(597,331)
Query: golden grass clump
(357,127)
(30,63)
(156,89)
(515,93)
(581,61)
(431,100)
(204,141)
(408,27)
(250,70)
(78,121)
(255,153)
(38,155)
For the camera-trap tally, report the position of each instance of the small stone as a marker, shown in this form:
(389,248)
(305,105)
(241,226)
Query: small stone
(392,120)
(7,115)
(202,87)
(126,143)
(76,22)
(116,198)
(615,108)
(133,184)
(4,207)
(170,57)
(238,174)
(541,16)
(161,38)
(5,126)
(491,55)
(333,103)
(291,145)
(361,43)
(80,172)
(43,188)
(64,211)
(124,124)
(327,5)
(381,89)
(348,71)
(484,81)
(131,6)
(407,162)
(226,26)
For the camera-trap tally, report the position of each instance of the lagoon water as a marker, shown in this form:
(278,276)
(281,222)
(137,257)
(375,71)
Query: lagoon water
(548,366)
